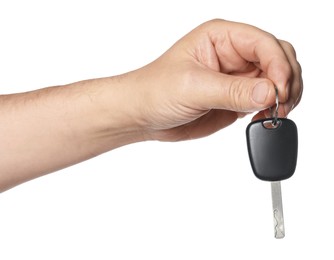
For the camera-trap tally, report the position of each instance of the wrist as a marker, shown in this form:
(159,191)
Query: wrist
(118,118)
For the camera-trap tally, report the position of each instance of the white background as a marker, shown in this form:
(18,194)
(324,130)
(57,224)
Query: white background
(189,200)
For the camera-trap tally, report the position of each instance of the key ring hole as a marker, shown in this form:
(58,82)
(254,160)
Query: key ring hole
(269,124)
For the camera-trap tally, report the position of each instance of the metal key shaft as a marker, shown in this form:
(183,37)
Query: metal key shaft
(276,195)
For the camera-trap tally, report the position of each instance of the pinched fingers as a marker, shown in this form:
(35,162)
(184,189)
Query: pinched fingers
(275,59)
(238,45)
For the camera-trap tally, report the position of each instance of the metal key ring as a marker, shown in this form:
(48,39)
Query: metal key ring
(275,114)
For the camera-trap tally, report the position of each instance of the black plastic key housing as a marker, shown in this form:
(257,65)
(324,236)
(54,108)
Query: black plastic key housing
(272,149)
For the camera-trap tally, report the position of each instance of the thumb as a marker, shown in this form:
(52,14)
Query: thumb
(236,93)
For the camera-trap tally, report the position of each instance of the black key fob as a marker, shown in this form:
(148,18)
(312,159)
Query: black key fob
(272,148)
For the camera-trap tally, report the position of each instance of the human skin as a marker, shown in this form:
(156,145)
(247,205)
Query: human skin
(214,75)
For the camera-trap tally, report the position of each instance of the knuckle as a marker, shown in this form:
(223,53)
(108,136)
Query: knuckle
(236,95)
(299,68)
(288,47)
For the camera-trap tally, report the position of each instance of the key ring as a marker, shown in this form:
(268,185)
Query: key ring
(275,114)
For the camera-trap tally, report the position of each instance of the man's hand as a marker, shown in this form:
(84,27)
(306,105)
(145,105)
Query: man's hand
(218,72)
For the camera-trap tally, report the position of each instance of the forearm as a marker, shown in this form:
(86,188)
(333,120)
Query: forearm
(52,128)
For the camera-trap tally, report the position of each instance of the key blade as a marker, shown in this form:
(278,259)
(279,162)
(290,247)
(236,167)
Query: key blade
(276,195)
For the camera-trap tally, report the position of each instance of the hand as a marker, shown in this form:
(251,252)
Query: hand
(217,73)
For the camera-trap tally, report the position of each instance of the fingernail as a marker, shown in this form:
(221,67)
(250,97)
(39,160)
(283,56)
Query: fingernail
(260,92)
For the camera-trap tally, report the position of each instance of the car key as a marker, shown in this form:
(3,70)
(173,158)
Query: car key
(272,148)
